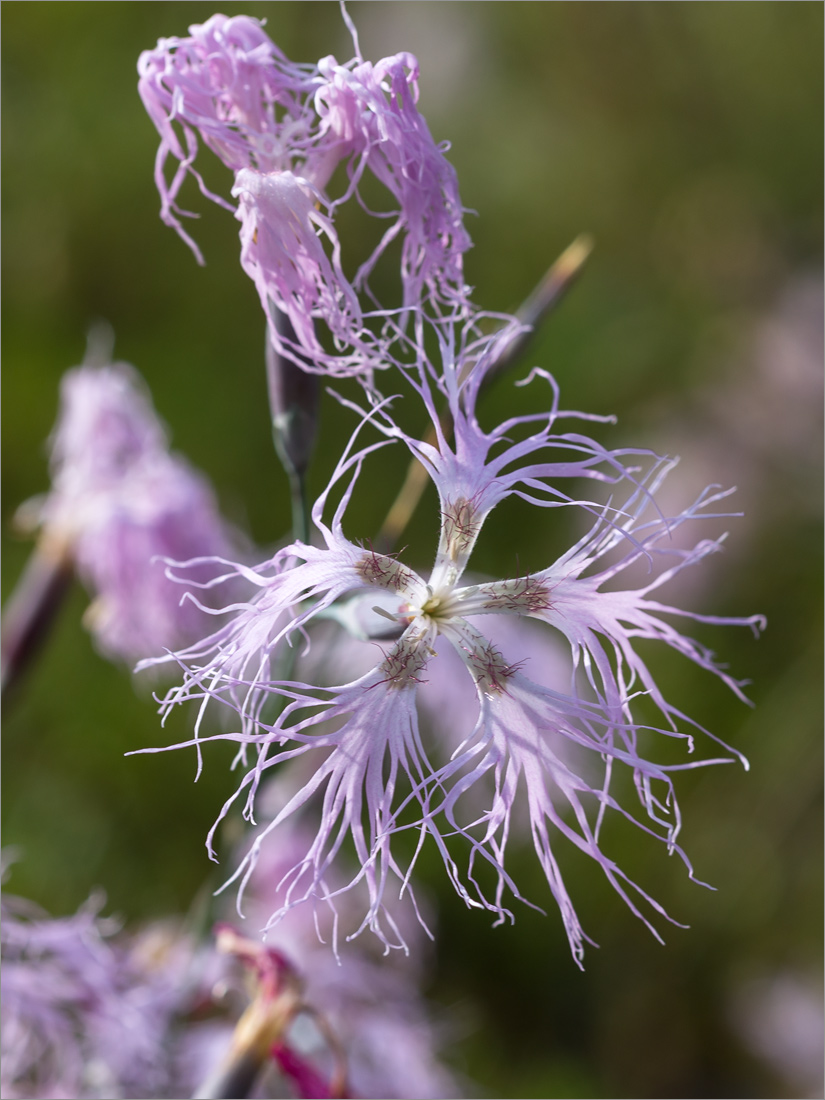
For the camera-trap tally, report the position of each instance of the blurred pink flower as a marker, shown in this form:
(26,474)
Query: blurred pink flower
(119,502)
(82,1017)
(780,1018)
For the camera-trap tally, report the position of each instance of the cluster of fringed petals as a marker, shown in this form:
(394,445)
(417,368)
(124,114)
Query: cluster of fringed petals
(283,129)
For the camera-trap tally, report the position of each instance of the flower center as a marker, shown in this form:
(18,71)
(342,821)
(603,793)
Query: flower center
(440,605)
(433,608)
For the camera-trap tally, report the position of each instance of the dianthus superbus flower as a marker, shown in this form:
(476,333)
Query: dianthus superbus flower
(555,749)
(283,129)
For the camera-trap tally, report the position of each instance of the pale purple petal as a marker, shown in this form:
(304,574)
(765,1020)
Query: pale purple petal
(526,739)
(374,743)
(602,626)
(370,111)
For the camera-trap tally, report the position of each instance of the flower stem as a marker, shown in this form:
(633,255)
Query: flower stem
(32,609)
(553,286)
(258,1038)
(294,399)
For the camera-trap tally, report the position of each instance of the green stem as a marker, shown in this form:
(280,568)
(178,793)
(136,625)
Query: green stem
(300,506)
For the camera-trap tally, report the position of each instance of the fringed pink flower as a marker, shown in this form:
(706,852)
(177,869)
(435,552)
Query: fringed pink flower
(283,129)
(555,751)
(230,86)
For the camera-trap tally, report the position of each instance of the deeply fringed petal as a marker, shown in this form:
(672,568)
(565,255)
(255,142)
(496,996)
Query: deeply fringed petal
(370,111)
(525,456)
(604,626)
(365,738)
(228,84)
(559,753)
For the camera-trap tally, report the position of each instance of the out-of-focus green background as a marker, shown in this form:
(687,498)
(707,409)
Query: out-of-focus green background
(687,138)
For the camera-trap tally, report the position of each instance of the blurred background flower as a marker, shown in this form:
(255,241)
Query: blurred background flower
(119,505)
(89,1013)
(687,139)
